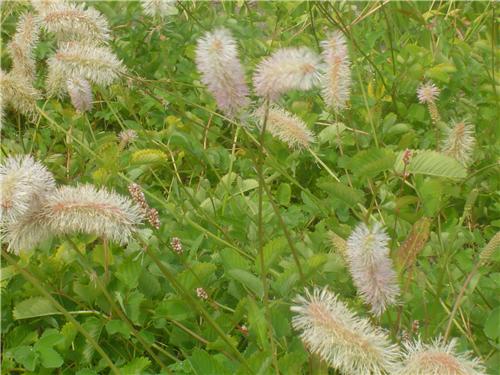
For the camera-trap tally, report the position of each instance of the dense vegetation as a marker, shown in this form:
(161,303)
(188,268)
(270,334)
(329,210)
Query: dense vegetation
(237,223)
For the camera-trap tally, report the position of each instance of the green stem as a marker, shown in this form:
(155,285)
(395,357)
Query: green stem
(263,273)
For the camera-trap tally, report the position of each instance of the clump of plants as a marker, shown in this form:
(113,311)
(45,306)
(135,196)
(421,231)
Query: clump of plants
(255,188)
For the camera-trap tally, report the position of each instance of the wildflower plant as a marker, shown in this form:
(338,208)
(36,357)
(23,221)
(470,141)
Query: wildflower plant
(249,187)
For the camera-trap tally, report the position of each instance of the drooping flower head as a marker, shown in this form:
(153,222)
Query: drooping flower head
(127,136)
(345,341)
(85,209)
(18,92)
(286,126)
(460,141)
(159,8)
(336,79)
(427,93)
(26,232)
(220,68)
(437,358)
(97,64)
(21,46)
(24,182)
(73,22)
(80,92)
(287,69)
(371,268)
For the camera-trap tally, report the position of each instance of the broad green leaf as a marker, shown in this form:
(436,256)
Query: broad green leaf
(339,190)
(26,356)
(492,324)
(369,163)
(50,358)
(272,251)
(129,272)
(118,326)
(49,338)
(431,163)
(175,309)
(34,307)
(257,322)
(205,364)
(284,194)
(248,280)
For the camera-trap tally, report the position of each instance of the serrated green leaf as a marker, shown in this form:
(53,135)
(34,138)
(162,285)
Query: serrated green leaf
(431,163)
(118,326)
(50,358)
(34,307)
(135,366)
(369,163)
(204,364)
(26,356)
(129,272)
(339,190)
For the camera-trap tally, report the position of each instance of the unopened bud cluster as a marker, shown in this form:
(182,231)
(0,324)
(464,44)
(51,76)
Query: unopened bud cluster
(150,213)
(176,244)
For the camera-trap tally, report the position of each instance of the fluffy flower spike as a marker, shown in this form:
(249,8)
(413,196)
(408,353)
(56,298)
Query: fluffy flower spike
(336,80)
(342,339)
(99,65)
(19,93)
(221,70)
(460,141)
(437,358)
(371,268)
(85,209)
(22,44)
(286,126)
(70,21)
(287,69)
(428,93)
(23,183)
(159,8)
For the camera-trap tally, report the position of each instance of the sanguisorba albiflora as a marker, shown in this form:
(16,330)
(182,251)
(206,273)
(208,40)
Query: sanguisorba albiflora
(347,342)
(371,267)
(34,209)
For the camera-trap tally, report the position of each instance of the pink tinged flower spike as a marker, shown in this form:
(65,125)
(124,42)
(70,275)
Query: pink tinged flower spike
(24,183)
(85,209)
(286,126)
(70,21)
(80,92)
(427,92)
(336,78)
(459,142)
(221,71)
(371,267)
(22,44)
(345,341)
(437,358)
(287,69)
(97,64)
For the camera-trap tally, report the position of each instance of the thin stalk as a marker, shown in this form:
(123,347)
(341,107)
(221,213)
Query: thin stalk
(40,287)
(330,172)
(263,273)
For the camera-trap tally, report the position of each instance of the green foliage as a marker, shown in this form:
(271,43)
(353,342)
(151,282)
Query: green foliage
(199,170)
